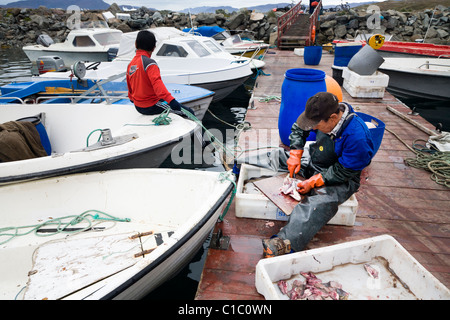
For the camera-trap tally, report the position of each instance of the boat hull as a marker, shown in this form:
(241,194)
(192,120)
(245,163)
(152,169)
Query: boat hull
(168,266)
(222,89)
(418,87)
(68,57)
(418,78)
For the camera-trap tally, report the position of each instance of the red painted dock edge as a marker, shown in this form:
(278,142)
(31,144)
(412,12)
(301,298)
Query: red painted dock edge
(393,198)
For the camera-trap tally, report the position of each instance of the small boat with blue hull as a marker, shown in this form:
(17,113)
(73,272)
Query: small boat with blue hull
(102,91)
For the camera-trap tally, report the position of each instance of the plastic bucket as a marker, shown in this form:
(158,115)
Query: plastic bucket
(366,61)
(298,86)
(343,52)
(312,55)
(377,132)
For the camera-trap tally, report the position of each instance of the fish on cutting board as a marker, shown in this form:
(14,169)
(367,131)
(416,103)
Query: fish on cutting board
(289,187)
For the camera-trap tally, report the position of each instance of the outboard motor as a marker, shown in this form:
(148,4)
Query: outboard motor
(50,63)
(45,40)
(112,53)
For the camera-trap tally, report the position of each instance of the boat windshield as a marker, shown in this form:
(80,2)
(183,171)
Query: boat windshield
(83,41)
(232,41)
(221,35)
(171,50)
(198,48)
(108,38)
(213,46)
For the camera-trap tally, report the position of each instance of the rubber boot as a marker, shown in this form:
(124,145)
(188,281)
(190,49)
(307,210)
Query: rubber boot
(275,247)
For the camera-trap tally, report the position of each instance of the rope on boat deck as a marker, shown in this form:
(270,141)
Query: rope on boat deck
(225,176)
(61,226)
(433,160)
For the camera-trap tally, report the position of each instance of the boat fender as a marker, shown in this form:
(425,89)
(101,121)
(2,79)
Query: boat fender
(376,41)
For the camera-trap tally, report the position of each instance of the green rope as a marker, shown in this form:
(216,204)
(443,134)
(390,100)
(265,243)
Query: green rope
(225,176)
(268,98)
(433,160)
(87,139)
(61,226)
(438,163)
(163,118)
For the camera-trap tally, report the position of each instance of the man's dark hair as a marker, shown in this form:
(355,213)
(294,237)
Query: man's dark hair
(145,40)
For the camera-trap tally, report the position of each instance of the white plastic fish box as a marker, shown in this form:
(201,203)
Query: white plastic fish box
(400,275)
(359,86)
(252,203)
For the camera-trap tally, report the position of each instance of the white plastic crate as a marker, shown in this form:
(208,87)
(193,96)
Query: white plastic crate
(251,203)
(358,86)
(401,276)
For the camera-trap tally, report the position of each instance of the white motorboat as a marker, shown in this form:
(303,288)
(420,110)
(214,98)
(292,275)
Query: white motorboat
(115,234)
(84,137)
(84,44)
(103,91)
(418,78)
(182,58)
(233,44)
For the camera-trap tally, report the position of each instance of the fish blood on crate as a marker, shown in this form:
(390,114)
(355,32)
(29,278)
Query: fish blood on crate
(312,289)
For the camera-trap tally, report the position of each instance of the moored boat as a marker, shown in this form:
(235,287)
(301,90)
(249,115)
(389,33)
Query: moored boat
(418,78)
(121,233)
(82,44)
(182,58)
(103,91)
(84,137)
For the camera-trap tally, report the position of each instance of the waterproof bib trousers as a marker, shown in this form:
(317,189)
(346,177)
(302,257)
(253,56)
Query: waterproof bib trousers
(320,204)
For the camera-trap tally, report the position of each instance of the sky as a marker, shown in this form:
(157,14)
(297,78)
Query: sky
(175,5)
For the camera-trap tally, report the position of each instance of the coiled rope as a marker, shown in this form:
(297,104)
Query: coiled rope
(432,160)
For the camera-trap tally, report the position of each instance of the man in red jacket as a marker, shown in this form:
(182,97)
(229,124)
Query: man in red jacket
(145,86)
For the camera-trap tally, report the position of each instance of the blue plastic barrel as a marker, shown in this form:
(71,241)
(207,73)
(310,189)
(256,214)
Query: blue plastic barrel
(378,132)
(298,86)
(312,55)
(344,52)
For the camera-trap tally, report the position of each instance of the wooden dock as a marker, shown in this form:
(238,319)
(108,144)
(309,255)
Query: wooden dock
(393,199)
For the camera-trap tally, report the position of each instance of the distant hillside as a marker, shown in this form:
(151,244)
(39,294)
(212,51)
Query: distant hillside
(83,4)
(411,5)
(261,8)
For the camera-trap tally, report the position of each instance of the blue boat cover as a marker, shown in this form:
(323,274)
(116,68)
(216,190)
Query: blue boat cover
(206,31)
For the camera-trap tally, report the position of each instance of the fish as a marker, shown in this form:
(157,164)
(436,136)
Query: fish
(289,187)
(282,285)
(313,289)
(371,271)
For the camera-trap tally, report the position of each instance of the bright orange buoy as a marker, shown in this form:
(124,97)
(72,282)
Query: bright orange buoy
(333,87)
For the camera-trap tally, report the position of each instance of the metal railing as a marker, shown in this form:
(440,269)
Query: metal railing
(314,23)
(288,19)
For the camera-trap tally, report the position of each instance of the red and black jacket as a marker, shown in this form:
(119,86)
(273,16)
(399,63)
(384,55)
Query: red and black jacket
(145,87)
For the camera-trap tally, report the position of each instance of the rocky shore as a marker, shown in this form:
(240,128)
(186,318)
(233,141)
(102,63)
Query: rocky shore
(19,27)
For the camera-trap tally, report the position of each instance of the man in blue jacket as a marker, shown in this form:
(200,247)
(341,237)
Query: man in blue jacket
(343,148)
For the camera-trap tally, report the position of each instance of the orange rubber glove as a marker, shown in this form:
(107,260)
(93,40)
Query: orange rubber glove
(294,162)
(313,182)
